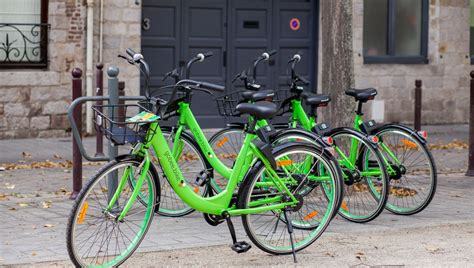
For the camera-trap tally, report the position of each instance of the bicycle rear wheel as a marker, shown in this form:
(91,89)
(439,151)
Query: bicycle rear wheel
(366,180)
(191,162)
(413,184)
(94,235)
(268,230)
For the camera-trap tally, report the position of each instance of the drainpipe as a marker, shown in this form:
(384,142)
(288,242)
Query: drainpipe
(101,30)
(89,62)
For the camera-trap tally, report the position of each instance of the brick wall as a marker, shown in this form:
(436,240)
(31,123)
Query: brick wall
(445,78)
(33,103)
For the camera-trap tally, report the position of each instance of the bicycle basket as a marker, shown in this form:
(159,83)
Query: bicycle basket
(226,103)
(117,125)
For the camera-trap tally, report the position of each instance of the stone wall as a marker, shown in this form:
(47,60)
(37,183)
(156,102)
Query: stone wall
(445,78)
(33,102)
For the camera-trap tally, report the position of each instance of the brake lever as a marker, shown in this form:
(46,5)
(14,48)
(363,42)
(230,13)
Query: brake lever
(127,59)
(242,76)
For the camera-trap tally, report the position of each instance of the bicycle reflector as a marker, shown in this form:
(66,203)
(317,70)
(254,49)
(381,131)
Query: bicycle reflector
(374,139)
(423,134)
(329,140)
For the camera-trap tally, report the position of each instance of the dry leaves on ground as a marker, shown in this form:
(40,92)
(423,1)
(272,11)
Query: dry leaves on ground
(455,144)
(48,225)
(44,164)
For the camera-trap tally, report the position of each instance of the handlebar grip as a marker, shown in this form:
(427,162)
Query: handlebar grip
(210,86)
(272,52)
(131,52)
(208,54)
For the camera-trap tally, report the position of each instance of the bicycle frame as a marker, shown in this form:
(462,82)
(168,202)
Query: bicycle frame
(216,204)
(300,116)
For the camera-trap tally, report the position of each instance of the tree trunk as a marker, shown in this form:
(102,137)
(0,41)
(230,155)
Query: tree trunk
(337,60)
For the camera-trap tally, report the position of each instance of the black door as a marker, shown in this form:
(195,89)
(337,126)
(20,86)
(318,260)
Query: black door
(237,32)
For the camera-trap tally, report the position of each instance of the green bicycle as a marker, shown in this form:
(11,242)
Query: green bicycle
(274,190)
(410,166)
(190,151)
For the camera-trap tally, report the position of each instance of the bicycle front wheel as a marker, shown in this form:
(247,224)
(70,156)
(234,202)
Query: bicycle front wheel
(413,180)
(309,218)
(95,236)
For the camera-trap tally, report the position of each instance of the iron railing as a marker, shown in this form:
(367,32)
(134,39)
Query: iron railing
(24,45)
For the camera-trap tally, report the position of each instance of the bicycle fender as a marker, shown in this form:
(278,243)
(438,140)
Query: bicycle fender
(236,124)
(409,130)
(318,141)
(351,131)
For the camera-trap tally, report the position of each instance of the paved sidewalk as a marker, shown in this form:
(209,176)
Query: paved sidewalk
(34,204)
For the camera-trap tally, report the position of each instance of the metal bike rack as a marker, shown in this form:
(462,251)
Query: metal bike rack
(113,98)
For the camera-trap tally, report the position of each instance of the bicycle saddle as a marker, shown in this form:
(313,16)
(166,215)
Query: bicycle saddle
(362,94)
(316,99)
(261,95)
(259,110)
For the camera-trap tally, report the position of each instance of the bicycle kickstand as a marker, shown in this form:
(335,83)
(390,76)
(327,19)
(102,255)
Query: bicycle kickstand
(290,231)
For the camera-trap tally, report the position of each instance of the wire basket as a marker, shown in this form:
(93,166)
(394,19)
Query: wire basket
(112,121)
(226,103)
(171,109)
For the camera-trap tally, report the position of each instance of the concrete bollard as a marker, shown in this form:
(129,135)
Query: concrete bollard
(112,72)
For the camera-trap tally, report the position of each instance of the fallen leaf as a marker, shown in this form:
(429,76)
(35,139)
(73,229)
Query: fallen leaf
(432,249)
(33,253)
(12,209)
(9,186)
(48,225)
(23,204)
(26,154)
(57,156)
(46,204)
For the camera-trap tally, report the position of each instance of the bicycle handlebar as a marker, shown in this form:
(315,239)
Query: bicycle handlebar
(264,57)
(199,57)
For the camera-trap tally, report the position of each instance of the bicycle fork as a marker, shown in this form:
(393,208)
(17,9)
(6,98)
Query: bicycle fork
(143,171)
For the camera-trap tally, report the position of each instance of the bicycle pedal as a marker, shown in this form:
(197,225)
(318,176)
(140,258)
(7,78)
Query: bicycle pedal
(241,247)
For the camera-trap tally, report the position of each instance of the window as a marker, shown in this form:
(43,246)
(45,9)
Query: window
(23,33)
(395,31)
(471,45)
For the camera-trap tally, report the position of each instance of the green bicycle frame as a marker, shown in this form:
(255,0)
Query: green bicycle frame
(299,116)
(219,203)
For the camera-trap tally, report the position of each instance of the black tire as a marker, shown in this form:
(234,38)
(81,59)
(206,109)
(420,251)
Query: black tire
(247,188)
(80,202)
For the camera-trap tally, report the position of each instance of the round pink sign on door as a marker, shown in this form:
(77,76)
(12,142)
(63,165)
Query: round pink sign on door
(295,24)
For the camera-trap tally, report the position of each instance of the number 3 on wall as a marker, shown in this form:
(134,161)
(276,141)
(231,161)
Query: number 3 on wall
(146,24)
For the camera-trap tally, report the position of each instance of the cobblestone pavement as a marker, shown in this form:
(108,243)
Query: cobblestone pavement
(35,207)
